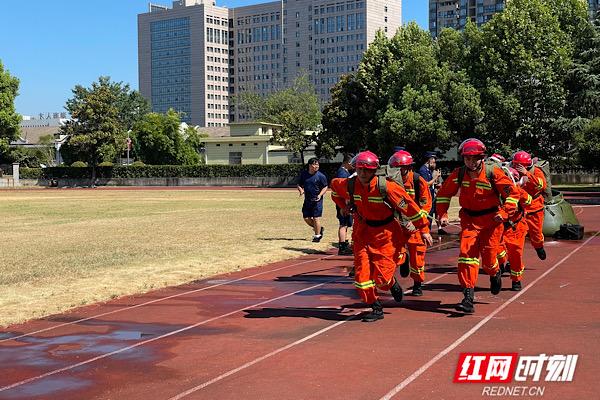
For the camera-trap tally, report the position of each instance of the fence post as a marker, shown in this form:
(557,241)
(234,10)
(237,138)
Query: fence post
(16,174)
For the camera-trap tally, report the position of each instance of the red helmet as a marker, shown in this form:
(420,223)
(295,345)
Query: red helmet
(400,158)
(523,158)
(498,157)
(515,174)
(472,147)
(367,160)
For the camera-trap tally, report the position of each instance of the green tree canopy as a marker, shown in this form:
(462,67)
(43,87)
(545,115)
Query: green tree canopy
(159,139)
(296,108)
(402,95)
(101,116)
(519,62)
(9,119)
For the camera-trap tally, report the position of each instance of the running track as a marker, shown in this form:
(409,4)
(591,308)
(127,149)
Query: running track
(290,330)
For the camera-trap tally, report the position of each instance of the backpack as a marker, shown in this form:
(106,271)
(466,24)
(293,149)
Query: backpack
(489,165)
(382,174)
(545,167)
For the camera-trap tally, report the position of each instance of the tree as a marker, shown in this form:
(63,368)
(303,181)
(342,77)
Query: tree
(9,119)
(158,139)
(296,108)
(101,116)
(588,143)
(402,95)
(518,64)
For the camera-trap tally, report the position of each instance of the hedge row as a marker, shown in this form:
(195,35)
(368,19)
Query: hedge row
(174,171)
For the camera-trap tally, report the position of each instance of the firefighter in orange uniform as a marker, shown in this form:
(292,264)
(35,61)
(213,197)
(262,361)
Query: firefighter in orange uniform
(375,228)
(481,217)
(515,230)
(410,236)
(535,186)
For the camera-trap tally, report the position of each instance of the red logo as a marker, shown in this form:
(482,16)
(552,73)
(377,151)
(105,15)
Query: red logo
(485,367)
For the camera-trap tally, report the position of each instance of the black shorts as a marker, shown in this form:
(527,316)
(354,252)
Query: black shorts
(344,220)
(312,209)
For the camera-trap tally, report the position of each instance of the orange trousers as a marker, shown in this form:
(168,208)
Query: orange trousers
(413,243)
(515,241)
(478,240)
(502,254)
(535,222)
(374,259)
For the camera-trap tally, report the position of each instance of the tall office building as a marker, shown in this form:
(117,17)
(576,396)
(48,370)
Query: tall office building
(594,6)
(194,56)
(456,13)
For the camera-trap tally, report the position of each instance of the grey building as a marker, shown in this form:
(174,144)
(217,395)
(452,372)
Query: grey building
(594,6)
(456,13)
(195,55)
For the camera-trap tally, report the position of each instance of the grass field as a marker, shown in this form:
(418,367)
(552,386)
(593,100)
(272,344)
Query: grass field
(66,248)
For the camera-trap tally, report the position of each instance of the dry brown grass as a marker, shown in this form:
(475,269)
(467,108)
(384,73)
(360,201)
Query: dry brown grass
(66,248)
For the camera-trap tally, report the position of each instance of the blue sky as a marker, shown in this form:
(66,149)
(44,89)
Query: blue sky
(53,45)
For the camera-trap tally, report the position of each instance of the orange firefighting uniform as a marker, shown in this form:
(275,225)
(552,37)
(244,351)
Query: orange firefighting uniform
(480,234)
(535,186)
(412,240)
(374,231)
(514,236)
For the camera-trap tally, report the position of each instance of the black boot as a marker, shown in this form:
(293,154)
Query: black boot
(507,268)
(375,314)
(496,283)
(405,266)
(396,291)
(344,249)
(466,305)
(416,290)
(516,286)
(541,253)
(351,273)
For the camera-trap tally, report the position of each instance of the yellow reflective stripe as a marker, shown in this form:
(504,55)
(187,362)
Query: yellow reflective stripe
(512,200)
(357,197)
(334,194)
(529,199)
(455,180)
(540,183)
(470,261)
(365,284)
(375,199)
(466,184)
(513,273)
(485,186)
(417,270)
(501,254)
(419,215)
(442,200)
(410,191)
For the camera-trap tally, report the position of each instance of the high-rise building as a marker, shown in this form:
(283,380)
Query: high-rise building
(194,56)
(456,13)
(594,6)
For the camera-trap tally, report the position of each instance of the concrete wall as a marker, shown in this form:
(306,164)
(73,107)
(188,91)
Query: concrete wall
(287,181)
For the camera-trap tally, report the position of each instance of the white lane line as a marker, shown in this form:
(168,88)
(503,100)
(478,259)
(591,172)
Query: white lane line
(274,352)
(70,367)
(173,296)
(259,359)
(160,299)
(464,337)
